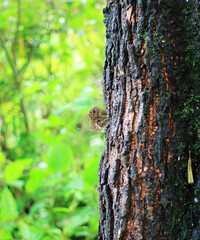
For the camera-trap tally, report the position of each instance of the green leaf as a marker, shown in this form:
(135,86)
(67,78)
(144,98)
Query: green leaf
(55,233)
(90,173)
(76,183)
(79,219)
(14,170)
(17,184)
(24,230)
(60,209)
(35,178)
(82,234)
(2,159)
(5,234)
(60,156)
(8,206)
(75,222)
(36,208)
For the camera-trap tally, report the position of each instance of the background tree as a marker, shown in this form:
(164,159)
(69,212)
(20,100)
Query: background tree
(150,87)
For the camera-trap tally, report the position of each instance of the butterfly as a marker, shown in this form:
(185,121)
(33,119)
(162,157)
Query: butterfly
(99,118)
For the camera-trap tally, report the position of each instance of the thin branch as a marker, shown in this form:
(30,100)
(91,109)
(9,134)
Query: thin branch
(33,50)
(16,75)
(8,55)
(14,44)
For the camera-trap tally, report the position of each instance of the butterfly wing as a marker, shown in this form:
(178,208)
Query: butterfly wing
(102,122)
(99,118)
(103,113)
(94,126)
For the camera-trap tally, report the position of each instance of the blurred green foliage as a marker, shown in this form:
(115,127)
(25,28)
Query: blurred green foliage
(51,59)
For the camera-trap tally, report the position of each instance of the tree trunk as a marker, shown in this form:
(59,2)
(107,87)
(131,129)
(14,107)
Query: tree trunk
(143,188)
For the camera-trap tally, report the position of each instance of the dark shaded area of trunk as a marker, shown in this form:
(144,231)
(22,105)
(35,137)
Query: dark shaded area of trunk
(150,73)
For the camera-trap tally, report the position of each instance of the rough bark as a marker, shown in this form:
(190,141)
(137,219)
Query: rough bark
(143,190)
